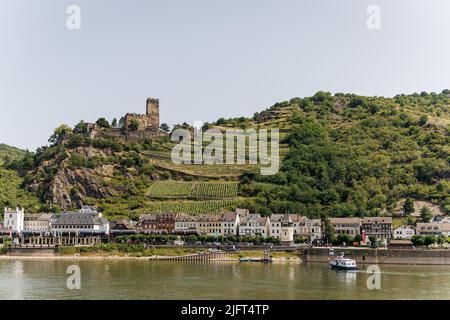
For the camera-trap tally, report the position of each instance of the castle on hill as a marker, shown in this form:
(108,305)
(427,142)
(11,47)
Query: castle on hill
(148,121)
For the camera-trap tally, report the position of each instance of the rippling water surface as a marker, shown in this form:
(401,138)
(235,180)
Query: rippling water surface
(46,279)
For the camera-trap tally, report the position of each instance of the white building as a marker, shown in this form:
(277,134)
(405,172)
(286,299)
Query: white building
(81,222)
(254,225)
(310,229)
(88,209)
(230,223)
(38,222)
(404,232)
(13,220)
(282,227)
(185,223)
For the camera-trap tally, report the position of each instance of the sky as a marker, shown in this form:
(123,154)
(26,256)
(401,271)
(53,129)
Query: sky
(206,59)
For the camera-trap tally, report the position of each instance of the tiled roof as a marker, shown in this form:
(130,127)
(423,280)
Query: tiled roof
(377,220)
(280,218)
(228,216)
(345,220)
(38,216)
(78,218)
(182,217)
(251,218)
(209,217)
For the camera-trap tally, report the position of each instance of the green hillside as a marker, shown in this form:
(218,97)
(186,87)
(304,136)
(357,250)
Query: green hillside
(342,155)
(12,193)
(8,153)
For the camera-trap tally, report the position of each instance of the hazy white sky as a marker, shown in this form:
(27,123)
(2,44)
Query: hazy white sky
(205,59)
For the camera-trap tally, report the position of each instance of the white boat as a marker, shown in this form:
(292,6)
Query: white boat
(342,263)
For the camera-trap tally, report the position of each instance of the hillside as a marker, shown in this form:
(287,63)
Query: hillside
(8,153)
(12,192)
(342,155)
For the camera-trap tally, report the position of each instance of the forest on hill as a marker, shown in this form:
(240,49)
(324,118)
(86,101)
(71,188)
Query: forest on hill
(342,155)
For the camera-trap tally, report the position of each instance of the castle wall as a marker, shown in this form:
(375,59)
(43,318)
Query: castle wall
(148,121)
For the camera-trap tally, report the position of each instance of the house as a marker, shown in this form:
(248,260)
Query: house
(282,227)
(425,229)
(445,229)
(88,209)
(310,229)
(161,223)
(378,227)
(404,232)
(80,222)
(254,225)
(210,224)
(350,226)
(400,244)
(230,223)
(185,224)
(38,222)
(122,226)
(13,220)
(275,225)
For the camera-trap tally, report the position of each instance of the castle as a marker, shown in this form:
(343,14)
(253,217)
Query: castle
(148,121)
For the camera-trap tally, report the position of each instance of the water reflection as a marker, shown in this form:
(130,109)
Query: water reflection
(46,279)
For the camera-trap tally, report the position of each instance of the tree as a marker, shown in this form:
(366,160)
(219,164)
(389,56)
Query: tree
(164,127)
(373,240)
(344,239)
(423,120)
(121,122)
(358,238)
(441,240)
(425,214)
(114,123)
(429,240)
(102,122)
(60,133)
(328,230)
(408,207)
(81,127)
(417,240)
(134,125)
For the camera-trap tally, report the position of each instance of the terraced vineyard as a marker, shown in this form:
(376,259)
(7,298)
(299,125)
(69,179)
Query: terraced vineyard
(195,190)
(190,207)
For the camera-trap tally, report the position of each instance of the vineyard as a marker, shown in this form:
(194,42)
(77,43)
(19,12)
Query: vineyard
(195,190)
(190,207)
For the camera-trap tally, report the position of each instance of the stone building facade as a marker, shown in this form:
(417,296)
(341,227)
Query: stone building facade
(148,121)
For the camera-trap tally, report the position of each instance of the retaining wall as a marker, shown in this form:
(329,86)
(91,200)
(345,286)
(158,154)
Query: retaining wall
(383,256)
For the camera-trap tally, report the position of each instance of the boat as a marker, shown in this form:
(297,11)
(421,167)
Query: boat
(255,260)
(266,258)
(342,263)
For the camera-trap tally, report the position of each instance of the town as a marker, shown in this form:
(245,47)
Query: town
(88,227)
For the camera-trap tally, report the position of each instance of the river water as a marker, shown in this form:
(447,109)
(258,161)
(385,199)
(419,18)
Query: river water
(130,279)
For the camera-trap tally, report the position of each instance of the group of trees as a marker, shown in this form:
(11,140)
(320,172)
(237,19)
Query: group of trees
(355,156)
(419,240)
(192,239)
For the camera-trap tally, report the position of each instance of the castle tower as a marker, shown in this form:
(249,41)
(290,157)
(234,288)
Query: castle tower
(152,110)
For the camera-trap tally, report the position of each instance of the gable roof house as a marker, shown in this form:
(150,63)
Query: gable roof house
(254,225)
(81,222)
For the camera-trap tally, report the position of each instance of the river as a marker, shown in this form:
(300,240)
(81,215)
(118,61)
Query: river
(130,279)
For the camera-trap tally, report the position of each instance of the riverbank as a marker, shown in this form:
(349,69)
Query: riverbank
(99,253)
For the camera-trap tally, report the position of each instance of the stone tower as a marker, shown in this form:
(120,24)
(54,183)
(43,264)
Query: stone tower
(152,111)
